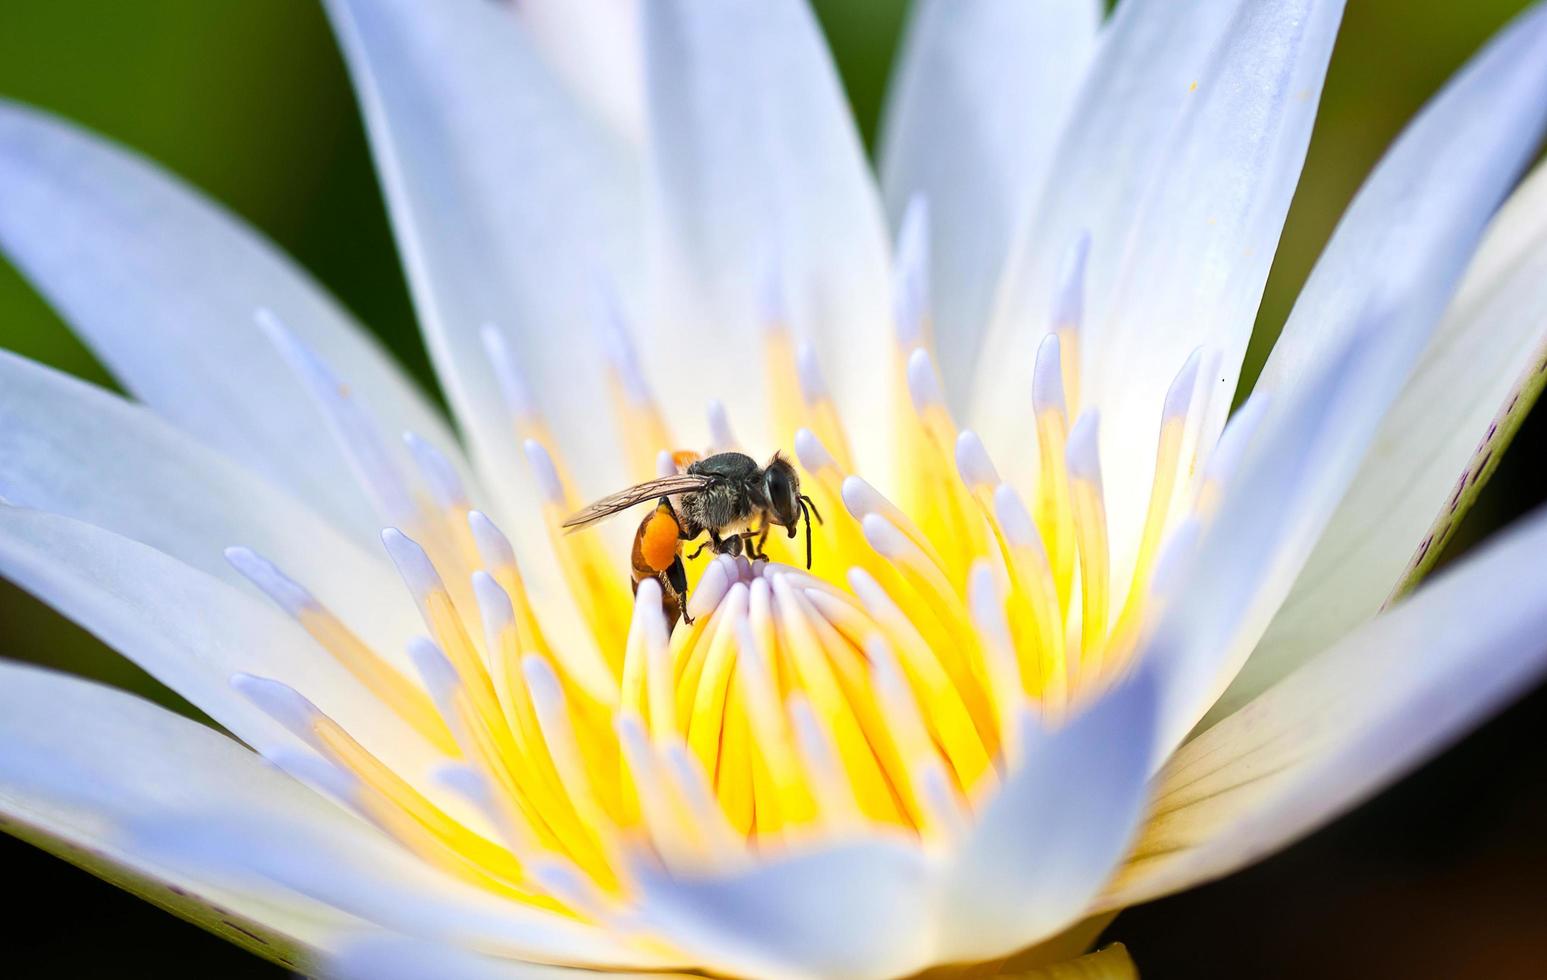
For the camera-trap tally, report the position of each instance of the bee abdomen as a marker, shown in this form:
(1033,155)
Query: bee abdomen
(655,543)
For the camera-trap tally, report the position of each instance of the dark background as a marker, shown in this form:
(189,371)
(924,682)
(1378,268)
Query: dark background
(1442,876)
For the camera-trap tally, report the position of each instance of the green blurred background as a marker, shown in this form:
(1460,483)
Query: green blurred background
(247,99)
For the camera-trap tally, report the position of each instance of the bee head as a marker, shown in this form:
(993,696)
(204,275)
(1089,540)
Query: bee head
(781,485)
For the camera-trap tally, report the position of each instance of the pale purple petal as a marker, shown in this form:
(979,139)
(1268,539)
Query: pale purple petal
(976,104)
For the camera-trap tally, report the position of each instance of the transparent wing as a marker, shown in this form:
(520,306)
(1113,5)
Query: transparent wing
(637,494)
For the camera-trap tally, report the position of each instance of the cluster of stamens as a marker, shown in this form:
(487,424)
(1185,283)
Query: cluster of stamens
(888,688)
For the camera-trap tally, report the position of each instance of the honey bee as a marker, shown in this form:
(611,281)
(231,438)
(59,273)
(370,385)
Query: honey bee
(727,496)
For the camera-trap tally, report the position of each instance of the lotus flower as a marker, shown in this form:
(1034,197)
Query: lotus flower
(1094,646)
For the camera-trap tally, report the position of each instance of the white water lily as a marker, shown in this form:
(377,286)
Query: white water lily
(1093,648)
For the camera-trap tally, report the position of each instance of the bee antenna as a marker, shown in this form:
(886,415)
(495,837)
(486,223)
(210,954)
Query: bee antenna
(805,510)
(806,501)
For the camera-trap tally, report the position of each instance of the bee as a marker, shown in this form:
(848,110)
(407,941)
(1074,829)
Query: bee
(727,495)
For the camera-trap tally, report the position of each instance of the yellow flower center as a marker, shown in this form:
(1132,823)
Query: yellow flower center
(886,690)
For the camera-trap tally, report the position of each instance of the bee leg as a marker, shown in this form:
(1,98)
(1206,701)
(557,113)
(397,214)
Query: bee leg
(807,508)
(676,581)
(749,545)
(699,550)
(762,540)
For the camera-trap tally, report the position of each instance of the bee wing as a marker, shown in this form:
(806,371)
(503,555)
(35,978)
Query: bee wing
(637,494)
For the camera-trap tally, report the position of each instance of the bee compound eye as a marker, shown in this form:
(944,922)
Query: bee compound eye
(779,485)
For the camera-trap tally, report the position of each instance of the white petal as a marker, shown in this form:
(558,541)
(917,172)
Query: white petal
(977,101)
(1303,453)
(596,48)
(1043,848)
(1433,193)
(851,911)
(1351,721)
(372,877)
(162,285)
(193,633)
(508,201)
(1202,240)
(79,761)
(755,163)
(1124,116)
(1378,298)
(1197,248)
(76,450)
(1415,223)
(396,957)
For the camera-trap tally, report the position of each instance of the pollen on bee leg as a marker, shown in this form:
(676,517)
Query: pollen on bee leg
(380,677)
